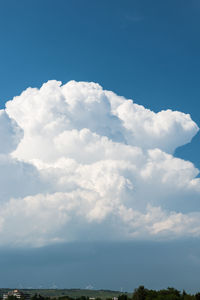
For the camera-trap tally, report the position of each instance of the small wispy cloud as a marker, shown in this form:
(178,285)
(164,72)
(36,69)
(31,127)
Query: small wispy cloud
(133,18)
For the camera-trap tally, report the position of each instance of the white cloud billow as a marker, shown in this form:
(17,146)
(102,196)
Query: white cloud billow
(79,162)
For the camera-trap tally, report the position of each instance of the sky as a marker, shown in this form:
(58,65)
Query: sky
(99,144)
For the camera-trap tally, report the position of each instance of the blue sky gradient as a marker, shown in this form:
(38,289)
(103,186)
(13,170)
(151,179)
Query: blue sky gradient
(145,50)
(115,266)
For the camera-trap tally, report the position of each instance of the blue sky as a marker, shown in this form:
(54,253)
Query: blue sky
(144,50)
(147,51)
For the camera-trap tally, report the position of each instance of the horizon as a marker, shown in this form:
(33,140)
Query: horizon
(99,143)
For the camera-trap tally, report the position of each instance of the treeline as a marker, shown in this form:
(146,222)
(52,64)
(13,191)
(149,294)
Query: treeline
(140,293)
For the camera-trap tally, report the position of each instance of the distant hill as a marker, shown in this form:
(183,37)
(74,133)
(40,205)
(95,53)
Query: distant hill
(75,293)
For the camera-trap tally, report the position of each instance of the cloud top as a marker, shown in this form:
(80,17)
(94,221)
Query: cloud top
(85,163)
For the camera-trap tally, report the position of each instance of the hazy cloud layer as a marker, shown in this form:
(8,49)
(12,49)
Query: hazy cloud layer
(81,163)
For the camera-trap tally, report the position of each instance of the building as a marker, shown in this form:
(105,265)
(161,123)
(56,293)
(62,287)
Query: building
(17,294)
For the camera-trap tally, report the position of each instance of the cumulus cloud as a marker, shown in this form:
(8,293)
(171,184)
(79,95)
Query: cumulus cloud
(79,162)
(10,133)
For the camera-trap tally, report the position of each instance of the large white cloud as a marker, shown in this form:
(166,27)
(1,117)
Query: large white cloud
(10,133)
(79,162)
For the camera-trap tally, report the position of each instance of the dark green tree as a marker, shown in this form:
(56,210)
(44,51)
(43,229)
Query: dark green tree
(122,297)
(11,297)
(140,293)
(197,296)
